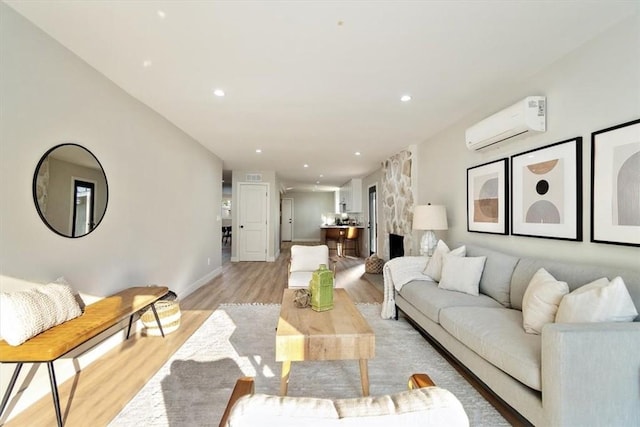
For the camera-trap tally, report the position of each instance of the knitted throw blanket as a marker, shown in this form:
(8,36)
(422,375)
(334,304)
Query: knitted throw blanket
(396,273)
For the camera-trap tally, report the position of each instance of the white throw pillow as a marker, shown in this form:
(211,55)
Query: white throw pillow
(24,314)
(541,300)
(434,266)
(462,274)
(598,301)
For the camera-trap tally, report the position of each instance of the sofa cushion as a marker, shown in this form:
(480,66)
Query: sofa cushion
(496,277)
(429,299)
(433,268)
(541,300)
(426,406)
(598,301)
(575,274)
(462,274)
(496,334)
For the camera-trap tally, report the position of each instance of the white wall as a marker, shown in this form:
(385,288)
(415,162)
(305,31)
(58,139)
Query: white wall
(594,87)
(308,211)
(161,222)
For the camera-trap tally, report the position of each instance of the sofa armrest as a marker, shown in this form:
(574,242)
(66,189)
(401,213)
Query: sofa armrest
(591,374)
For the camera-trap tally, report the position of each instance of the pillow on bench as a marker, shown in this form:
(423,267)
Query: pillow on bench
(25,314)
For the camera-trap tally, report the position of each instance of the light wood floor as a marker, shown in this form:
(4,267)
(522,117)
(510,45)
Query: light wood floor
(98,393)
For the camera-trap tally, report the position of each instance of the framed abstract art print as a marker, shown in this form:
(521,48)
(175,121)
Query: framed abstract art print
(546,191)
(615,184)
(487,197)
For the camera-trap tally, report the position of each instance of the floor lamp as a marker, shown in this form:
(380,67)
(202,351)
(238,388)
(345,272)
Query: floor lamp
(429,217)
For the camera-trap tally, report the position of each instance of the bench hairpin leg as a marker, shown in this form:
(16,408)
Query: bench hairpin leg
(155,313)
(12,383)
(129,328)
(54,393)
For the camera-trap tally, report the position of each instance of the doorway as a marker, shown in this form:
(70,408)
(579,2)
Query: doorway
(226,217)
(286,220)
(373,219)
(253,219)
(83,208)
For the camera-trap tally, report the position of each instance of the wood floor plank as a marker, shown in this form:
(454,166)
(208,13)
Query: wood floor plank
(99,392)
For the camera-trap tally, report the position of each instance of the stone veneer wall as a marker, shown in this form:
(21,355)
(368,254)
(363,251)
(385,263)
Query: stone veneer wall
(397,200)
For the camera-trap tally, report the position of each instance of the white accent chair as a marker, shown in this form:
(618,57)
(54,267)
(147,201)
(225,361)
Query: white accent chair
(424,404)
(304,261)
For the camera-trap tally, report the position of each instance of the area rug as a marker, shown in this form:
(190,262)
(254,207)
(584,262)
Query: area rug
(193,387)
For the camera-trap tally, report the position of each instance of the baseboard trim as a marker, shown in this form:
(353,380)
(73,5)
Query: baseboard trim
(201,282)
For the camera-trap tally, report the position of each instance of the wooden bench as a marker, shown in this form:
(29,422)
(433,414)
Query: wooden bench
(54,343)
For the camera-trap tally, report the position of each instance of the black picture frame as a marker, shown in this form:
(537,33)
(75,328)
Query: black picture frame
(615,186)
(546,191)
(488,197)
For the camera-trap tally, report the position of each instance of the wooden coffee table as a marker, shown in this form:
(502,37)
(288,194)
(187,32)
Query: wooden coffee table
(338,334)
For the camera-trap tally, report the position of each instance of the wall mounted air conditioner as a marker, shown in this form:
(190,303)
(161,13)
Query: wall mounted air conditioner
(521,118)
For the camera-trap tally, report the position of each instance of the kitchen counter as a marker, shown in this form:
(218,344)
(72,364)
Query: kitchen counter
(354,248)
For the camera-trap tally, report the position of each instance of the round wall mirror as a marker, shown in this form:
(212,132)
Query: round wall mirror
(70,190)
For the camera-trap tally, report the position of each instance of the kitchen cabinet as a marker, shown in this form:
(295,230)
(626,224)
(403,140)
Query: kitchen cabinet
(351,196)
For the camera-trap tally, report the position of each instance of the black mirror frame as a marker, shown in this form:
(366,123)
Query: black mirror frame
(35,195)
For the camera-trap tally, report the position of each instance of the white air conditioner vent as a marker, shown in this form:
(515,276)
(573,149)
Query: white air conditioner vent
(527,115)
(253,177)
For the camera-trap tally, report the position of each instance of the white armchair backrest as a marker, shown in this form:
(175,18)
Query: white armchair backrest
(430,406)
(308,258)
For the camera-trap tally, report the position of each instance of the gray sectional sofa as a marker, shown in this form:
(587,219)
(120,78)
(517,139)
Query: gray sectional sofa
(572,374)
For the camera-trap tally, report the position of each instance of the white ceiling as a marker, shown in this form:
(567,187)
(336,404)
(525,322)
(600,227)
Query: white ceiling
(314,81)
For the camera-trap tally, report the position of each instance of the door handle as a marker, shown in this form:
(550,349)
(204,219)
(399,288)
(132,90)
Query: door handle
(242,226)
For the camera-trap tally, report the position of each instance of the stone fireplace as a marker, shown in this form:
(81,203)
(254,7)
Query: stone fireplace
(397,201)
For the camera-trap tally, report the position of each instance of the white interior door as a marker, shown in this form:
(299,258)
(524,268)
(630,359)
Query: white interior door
(286,219)
(253,221)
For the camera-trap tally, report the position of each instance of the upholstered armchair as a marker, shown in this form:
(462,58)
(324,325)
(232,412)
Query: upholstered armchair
(424,404)
(304,261)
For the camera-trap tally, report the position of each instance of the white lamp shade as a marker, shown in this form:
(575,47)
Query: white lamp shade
(430,217)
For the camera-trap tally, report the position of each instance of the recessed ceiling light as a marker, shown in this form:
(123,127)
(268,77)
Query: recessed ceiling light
(357,153)
(161,14)
(317,182)
(258,150)
(405,98)
(147,63)
(321,176)
(306,165)
(218,92)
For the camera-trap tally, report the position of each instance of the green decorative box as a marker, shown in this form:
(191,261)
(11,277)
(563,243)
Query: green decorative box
(321,287)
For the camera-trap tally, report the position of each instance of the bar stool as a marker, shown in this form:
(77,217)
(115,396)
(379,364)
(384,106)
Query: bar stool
(353,236)
(337,236)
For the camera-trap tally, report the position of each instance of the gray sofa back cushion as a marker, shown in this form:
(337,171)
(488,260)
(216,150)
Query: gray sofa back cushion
(574,274)
(496,277)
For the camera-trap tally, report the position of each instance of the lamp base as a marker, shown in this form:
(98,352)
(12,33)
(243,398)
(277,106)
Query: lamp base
(428,243)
